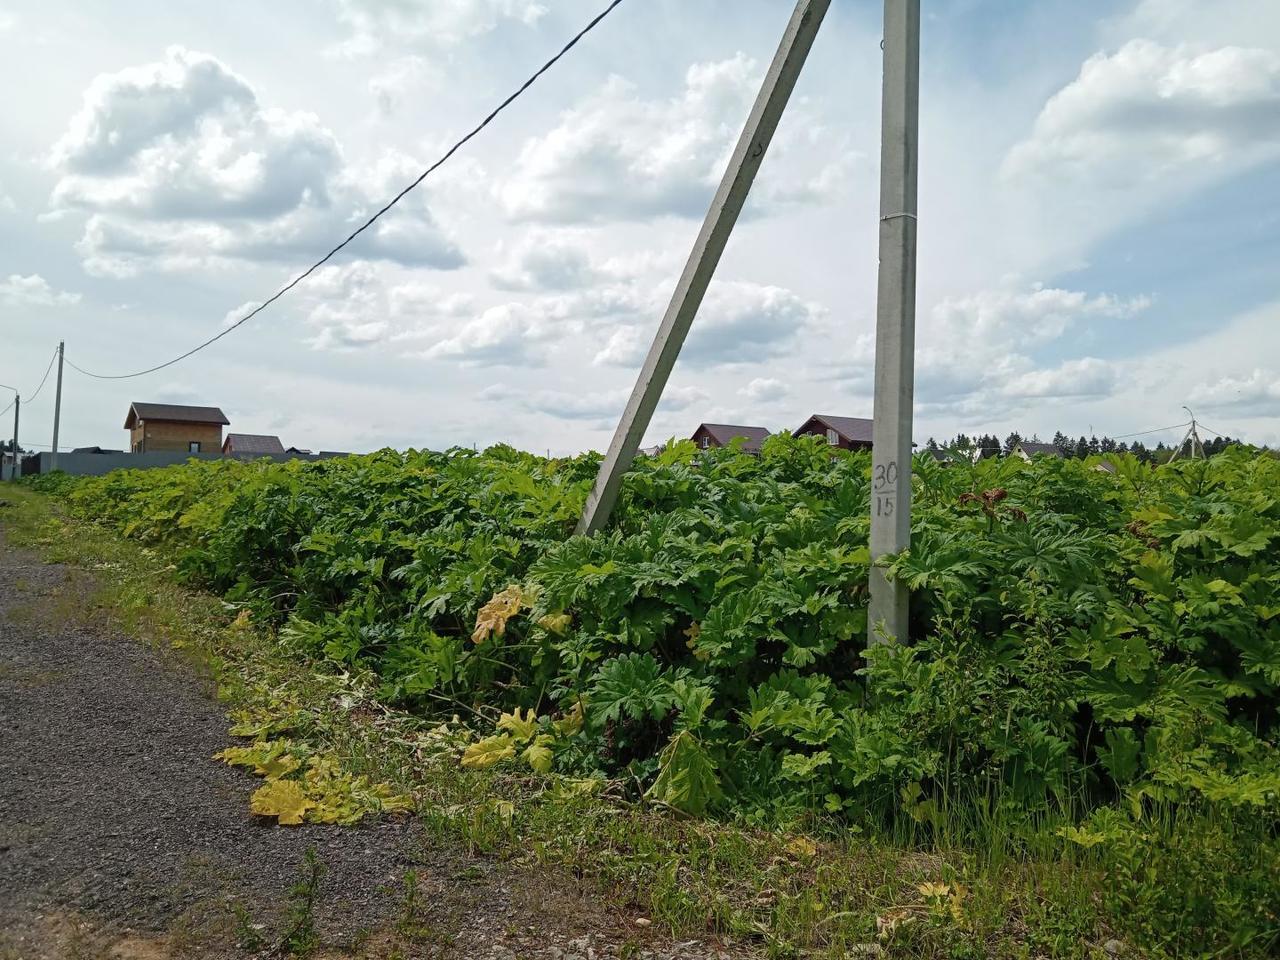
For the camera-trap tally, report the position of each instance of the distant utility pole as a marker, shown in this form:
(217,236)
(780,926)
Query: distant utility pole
(57,408)
(17,406)
(895,316)
(701,265)
(1193,437)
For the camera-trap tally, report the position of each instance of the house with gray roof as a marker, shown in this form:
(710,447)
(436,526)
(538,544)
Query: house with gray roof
(256,444)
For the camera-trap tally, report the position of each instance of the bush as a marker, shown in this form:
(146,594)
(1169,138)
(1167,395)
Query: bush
(1082,641)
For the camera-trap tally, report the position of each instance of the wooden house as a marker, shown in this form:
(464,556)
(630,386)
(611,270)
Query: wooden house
(172,426)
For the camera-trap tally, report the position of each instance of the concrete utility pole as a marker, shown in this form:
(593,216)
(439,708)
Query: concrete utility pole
(17,406)
(895,315)
(716,228)
(57,408)
(1192,437)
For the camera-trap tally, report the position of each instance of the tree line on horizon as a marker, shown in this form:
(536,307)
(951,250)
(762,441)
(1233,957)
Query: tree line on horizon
(1079,448)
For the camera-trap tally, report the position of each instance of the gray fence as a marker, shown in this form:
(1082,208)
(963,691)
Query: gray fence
(96,464)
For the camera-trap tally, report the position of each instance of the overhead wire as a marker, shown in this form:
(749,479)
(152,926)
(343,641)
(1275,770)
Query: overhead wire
(1143,433)
(34,393)
(43,380)
(595,21)
(1213,431)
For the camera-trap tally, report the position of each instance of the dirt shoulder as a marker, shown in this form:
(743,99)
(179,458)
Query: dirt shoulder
(120,836)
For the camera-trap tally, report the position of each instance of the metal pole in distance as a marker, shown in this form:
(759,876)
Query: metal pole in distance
(17,406)
(895,316)
(716,228)
(57,409)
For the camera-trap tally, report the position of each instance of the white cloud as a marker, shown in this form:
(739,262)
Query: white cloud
(179,166)
(406,75)
(442,23)
(546,260)
(236,314)
(618,156)
(603,407)
(1149,112)
(974,354)
(34,291)
(626,347)
(1255,394)
(1085,377)
(509,334)
(766,390)
(744,322)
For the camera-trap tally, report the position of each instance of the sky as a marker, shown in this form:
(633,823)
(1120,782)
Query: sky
(1099,226)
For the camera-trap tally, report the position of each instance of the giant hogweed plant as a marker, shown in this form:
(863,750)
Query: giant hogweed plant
(1078,636)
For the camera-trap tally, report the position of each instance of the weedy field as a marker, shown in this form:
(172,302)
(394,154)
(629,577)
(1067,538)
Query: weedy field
(1086,713)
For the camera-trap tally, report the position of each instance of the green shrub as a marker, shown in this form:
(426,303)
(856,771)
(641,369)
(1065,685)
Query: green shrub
(1083,642)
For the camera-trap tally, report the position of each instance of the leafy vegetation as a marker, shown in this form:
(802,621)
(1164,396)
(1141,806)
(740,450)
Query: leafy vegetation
(1094,666)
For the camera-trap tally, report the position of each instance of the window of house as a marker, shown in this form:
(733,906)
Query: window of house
(706,442)
(833,438)
(193,446)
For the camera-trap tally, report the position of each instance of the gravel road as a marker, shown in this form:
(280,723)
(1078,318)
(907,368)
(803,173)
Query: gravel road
(120,838)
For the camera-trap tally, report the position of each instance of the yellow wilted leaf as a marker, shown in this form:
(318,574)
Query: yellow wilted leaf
(487,752)
(555,622)
(801,847)
(277,767)
(506,811)
(571,722)
(282,799)
(493,616)
(695,631)
(242,620)
(539,755)
(522,728)
(931,891)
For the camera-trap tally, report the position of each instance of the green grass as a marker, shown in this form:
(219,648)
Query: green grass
(947,886)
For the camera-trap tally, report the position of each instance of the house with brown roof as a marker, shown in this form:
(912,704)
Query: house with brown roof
(1026,449)
(257,444)
(709,435)
(176,427)
(847,433)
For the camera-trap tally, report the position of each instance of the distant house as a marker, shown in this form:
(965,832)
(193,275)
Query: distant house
(710,435)
(172,426)
(1027,449)
(94,450)
(847,433)
(298,450)
(253,443)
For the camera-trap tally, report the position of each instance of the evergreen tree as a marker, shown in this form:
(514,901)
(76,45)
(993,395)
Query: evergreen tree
(1081,448)
(1064,444)
(1011,442)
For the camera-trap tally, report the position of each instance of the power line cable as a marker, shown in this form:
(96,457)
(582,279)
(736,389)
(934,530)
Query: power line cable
(368,223)
(1213,431)
(1143,433)
(35,393)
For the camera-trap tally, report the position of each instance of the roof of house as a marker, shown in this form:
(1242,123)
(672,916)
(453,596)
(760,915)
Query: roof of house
(853,429)
(175,412)
(252,443)
(1031,449)
(94,449)
(725,433)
